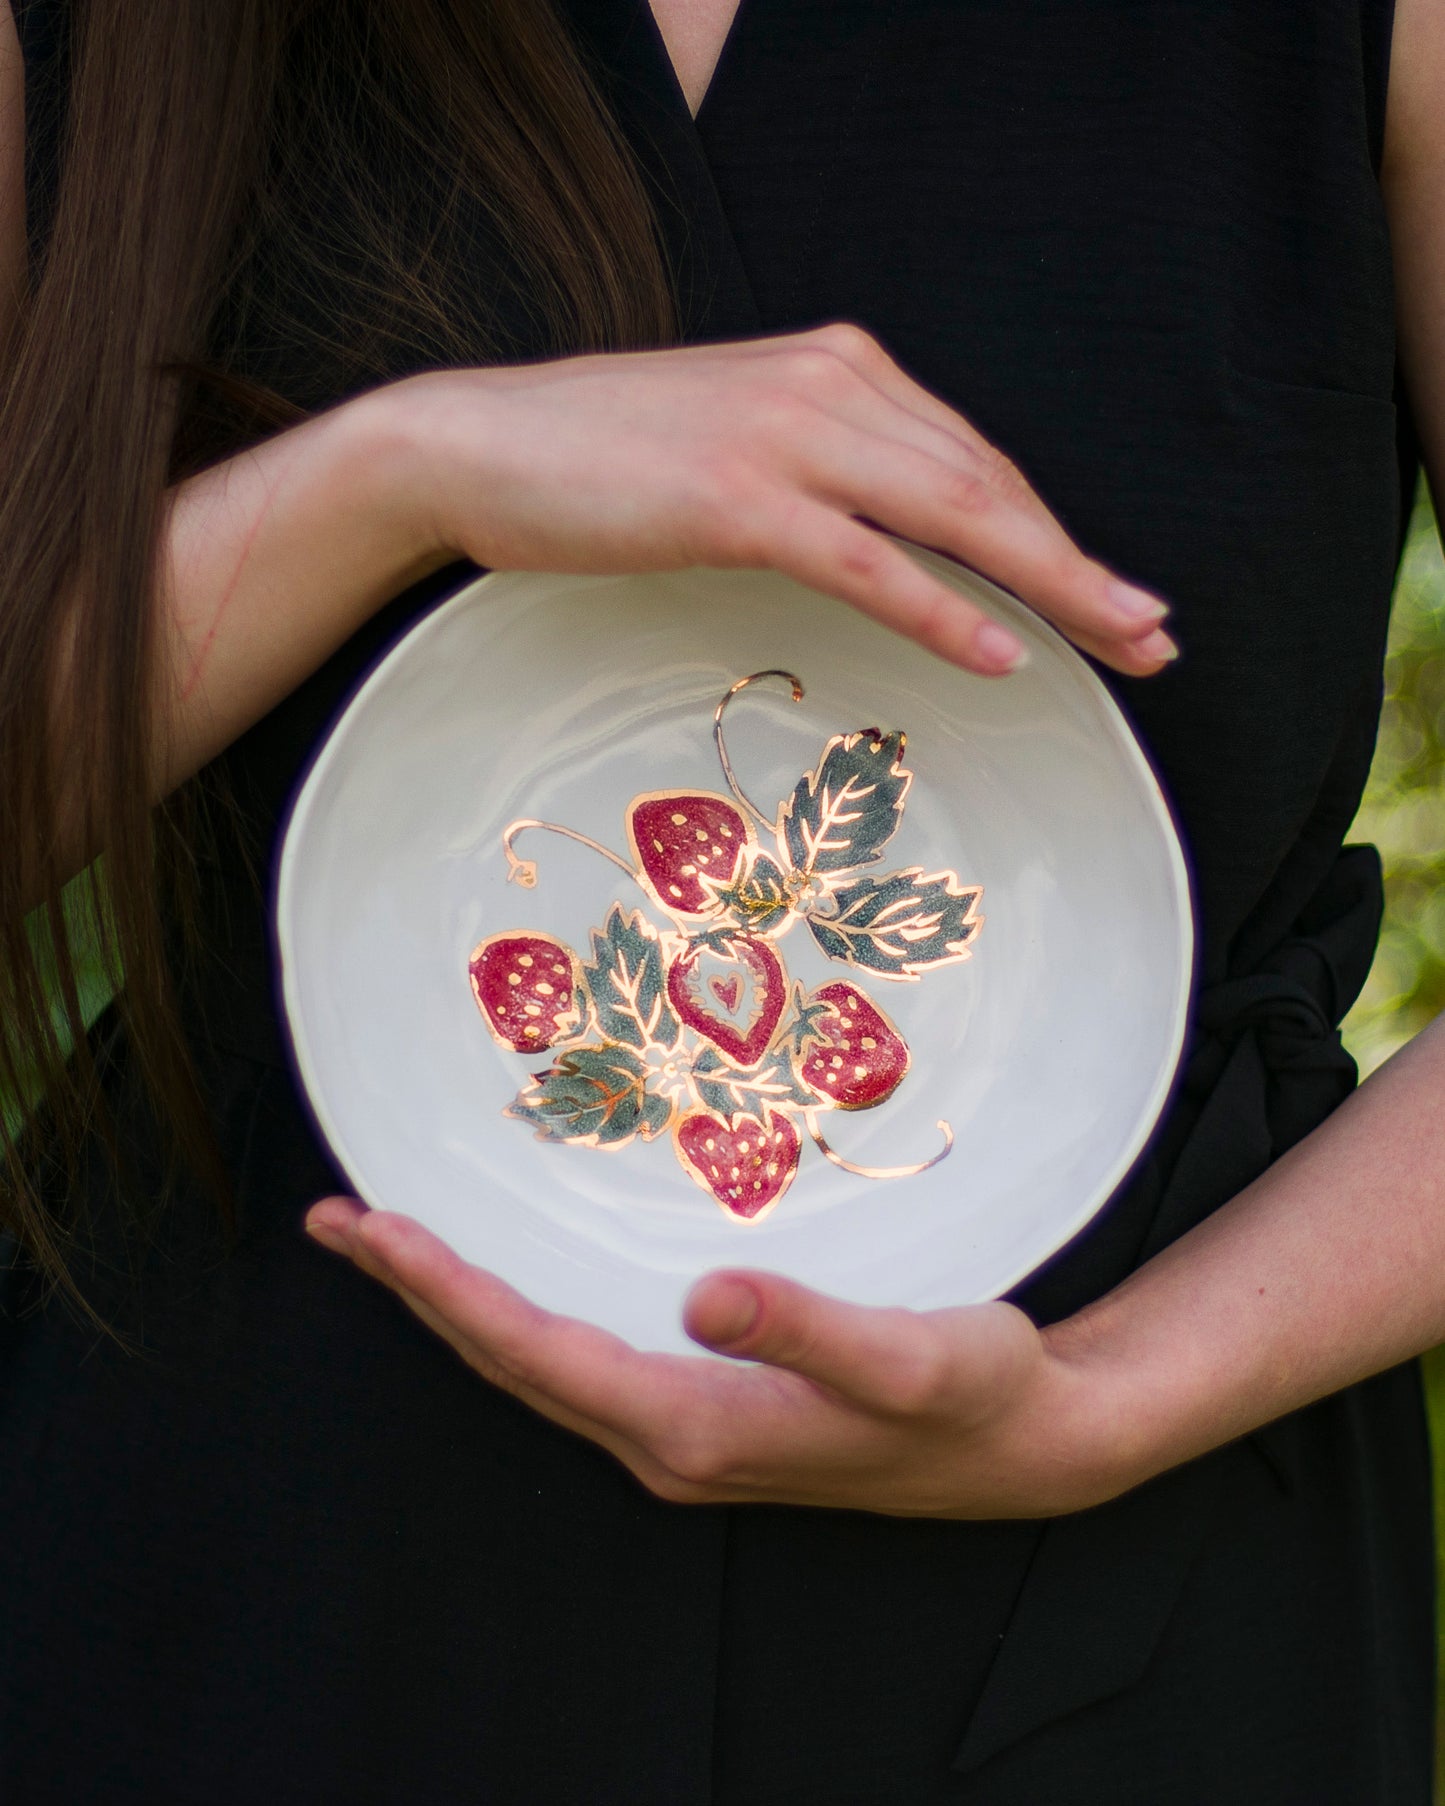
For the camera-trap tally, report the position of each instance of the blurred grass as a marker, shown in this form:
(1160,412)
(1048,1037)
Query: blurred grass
(1404,815)
(94,982)
(1404,810)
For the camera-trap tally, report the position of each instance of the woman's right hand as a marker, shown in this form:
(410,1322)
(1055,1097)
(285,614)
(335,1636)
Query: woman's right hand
(774,452)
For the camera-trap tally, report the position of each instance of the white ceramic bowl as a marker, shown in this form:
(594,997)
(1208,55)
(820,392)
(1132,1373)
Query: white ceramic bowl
(1049,1051)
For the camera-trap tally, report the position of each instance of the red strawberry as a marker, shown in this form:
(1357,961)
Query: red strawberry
(746,1167)
(854,1057)
(731,993)
(526,987)
(680,839)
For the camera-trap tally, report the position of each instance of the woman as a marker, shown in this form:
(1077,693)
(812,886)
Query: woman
(283,1544)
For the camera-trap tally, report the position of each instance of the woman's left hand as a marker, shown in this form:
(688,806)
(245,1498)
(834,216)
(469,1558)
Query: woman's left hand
(968,1413)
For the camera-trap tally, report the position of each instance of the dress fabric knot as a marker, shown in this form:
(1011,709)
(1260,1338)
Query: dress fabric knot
(1289,1021)
(1267,1064)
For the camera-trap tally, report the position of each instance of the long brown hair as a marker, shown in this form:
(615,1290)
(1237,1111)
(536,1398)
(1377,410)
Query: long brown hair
(219,159)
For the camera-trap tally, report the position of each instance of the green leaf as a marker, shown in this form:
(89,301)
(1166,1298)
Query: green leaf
(901,924)
(756,898)
(845,812)
(772,1083)
(808,1024)
(626,980)
(595,1095)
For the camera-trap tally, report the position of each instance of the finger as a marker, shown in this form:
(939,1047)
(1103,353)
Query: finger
(974,517)
(873,363)
(633,1455)
(334,1222)
(709,1434)
(936,429)
(692,1432)
(699,1456)
(416,1266)
(584,1369)
(1144,657)
(832,552)
(867,388)
(1130,632)
(866,359)
(891,1361)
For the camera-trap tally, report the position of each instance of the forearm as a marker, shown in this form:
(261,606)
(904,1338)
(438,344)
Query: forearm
(1330,1267)
(271,561)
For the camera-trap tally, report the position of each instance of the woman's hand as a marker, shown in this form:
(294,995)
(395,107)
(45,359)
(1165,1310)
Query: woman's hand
(953,1413)
(775,453)
(1327,1268)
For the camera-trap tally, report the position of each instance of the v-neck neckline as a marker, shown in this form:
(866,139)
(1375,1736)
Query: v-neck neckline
(625,45)
(719,63)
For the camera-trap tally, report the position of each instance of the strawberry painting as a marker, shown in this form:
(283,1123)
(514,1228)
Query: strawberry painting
(683,840)
(526,987)
(850,1053)
(692,1025)
(747,1165)
(731,992)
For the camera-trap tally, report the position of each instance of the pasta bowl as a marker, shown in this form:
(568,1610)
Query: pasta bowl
(633,927)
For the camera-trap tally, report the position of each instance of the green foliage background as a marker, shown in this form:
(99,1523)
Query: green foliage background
(1404,815)
(1404,810)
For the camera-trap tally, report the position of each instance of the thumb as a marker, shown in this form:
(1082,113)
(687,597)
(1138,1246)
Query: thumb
(887,1360)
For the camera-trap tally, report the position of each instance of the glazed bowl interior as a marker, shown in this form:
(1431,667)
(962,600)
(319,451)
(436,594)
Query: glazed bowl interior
(1048,1052)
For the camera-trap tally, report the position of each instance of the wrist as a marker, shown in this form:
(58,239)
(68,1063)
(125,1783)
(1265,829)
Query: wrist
(385,460)
(1104,1438)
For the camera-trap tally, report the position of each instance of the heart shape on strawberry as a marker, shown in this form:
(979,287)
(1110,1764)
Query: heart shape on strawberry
(851,1054)
(745,1165)
(730,990)
(526,986)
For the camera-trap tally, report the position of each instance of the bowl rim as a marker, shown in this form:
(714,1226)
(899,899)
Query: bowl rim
(995,598)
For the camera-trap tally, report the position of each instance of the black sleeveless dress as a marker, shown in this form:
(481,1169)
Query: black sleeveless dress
(292,1551)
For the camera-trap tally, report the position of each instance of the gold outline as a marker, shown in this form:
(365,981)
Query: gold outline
(792,914)
(524,871)
(742,684)
(639,924)
(879,1172)
(677,943)
(847,741)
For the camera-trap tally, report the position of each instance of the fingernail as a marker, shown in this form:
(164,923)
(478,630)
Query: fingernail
(328,1219)
(1157,646)
(732,1311)
(998,648)
(1136,604)
(328,1238)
